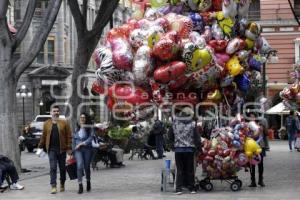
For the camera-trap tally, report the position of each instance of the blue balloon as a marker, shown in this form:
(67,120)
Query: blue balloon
(236,137)
(236,144)
(198,23)
(243,82)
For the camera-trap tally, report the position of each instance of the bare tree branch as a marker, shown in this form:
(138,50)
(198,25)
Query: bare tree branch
(39,38)
(104,14)
(294,13)
(78,18)
(3,8)
(25,24)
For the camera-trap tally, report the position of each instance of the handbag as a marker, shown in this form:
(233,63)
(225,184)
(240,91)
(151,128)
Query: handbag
(71,168)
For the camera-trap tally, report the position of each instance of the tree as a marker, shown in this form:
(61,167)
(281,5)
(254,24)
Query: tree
(87,42)
(12,67)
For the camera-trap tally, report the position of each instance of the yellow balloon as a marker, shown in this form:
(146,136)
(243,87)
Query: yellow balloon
(251,147)
(249,44)
(158,3)
(226,24)
(201,58)
(214,143)
(215,95)
(233,66)
(153,39)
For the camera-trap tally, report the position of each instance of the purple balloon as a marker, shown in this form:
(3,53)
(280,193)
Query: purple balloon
(255,64)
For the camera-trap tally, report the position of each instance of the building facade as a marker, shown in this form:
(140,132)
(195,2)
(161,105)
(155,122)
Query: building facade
(282,31)
(48,75)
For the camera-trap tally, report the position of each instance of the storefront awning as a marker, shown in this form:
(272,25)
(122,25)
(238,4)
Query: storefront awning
(279,109)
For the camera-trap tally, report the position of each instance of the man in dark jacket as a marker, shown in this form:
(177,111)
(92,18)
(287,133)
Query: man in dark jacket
(158,130)
(7,167)
(291,128)
(56,140)
(185,137)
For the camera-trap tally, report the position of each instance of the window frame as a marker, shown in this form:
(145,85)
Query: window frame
(297,50)
(46,51)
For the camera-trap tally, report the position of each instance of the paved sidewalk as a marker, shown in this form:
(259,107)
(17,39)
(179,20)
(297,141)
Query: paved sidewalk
(141,180)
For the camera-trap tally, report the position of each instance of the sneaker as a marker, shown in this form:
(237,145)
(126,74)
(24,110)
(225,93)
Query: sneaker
(53,190)
(193,192)
(16,186)
(178,192)
(62,188)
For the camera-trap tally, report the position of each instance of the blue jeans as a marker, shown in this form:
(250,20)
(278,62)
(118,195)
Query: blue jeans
(291,138)
(83,158)
(159,141)
(60,159)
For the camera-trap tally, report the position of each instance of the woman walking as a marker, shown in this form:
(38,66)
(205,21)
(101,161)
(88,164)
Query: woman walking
(82,148)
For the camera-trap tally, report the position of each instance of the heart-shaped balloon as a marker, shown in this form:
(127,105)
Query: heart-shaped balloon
(218,45)
(170,71)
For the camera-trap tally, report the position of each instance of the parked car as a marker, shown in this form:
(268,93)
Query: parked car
(36,130)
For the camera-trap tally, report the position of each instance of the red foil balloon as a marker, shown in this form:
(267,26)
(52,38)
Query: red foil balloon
(218,45)
(122,54)
(170,71)
(128,93)
(166,48)
(97,88)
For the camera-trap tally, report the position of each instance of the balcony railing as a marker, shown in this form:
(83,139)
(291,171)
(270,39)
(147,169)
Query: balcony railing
(254,15)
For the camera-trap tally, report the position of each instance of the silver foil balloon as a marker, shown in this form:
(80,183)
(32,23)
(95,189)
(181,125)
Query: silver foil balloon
(197,39)
(142,65)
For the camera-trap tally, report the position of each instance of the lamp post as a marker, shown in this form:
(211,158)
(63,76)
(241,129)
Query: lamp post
(272,54)
(23,92)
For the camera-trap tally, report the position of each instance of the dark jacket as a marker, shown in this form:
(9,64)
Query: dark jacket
(5,163)
(290,124)
(65,137)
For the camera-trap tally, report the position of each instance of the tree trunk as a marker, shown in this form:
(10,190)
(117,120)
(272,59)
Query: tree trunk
(80,65)
(8,128)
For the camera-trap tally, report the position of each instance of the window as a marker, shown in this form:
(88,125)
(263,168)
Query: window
(51,51)
(41,6)
(40,57)
(254,11)
(297,7)
(47,53)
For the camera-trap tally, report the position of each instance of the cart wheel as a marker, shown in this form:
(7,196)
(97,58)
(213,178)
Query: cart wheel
(235,186)
(208,187)
(202,184)
(239,182)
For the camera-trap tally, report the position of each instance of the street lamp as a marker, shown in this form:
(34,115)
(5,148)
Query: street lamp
(272,57)
(23,92)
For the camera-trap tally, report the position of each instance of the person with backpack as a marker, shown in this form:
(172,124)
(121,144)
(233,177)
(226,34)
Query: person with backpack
(158,130)
(291,127)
